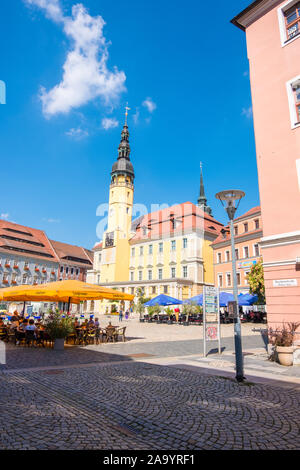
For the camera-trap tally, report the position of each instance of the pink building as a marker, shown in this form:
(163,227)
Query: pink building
(273,43)
(247,236)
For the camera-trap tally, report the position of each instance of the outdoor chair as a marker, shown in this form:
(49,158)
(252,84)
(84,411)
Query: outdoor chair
(110,335)
(71,337)
(99,333)
(11,335)
(30,337)
(91,334)
(120,332)
(3,334)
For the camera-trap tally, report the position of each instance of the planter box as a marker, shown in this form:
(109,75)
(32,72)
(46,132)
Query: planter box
(59,344)
(285,355)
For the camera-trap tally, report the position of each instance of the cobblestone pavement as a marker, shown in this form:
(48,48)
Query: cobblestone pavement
(24,357)
(143,406)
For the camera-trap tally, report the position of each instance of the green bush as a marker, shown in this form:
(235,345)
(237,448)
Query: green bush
(58,327)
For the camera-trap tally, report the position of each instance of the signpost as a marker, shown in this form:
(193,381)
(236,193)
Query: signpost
(211,317)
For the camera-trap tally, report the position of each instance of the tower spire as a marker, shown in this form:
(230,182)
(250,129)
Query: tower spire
(123,164)
(126,113)
(202,201)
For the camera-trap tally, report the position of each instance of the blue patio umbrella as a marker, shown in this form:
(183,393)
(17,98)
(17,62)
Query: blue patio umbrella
(198,299)
(224,298)
(163,300)
(247,299)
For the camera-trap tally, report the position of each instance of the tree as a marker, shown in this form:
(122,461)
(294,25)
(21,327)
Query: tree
(139,306)
(257,282)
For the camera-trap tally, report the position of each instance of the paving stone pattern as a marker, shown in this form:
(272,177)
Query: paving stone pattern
(143,406)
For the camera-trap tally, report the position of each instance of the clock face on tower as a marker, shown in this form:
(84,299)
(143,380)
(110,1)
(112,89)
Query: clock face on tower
(109,239)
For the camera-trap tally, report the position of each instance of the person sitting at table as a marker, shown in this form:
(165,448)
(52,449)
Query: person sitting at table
(14,322)
(97,323)
(91,323)
(20,331)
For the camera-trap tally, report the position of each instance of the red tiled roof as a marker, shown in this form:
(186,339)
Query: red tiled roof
(64,250)
(221,239)
(98,246)
(20,237)
(187,215)
(249,213)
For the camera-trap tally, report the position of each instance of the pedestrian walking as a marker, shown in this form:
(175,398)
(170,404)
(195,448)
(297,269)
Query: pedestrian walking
(121,315)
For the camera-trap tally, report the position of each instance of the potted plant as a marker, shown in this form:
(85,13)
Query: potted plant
(58,328)
(283,342)
(169,312)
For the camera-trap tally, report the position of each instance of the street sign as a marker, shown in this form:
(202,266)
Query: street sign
(211,317)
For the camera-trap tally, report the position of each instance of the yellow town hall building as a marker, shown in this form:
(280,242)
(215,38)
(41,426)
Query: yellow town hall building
(167,251)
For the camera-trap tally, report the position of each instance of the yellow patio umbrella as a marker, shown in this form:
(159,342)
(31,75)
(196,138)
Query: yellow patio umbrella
(62,291)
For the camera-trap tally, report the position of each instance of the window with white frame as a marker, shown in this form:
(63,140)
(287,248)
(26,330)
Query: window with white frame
(228,279)
(132,275)
(220,280)
(219,257)
(140,275)
(173,245)
(160,274)
(293,92)
(132,252)
(141,250)
(246,277)
(184,271)
(256,250)
(185,243)
(246,252)
(150,249)
(227,256)
(160,247)
(173,272)
(238,279)
(236,253)
(289,21)
(149,275)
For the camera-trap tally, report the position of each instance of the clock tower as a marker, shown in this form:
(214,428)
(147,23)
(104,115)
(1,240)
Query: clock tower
(116,250)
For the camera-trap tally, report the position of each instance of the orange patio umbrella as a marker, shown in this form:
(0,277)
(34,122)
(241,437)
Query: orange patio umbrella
(62,291)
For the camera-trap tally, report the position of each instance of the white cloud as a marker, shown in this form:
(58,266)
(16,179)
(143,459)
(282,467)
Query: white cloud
(52,8)
(109,123)
(77,133)
(51,221)
(149,104)
(4,216)
(85,72)
(248,112)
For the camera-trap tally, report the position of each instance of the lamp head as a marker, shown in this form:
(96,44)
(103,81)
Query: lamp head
(230,199)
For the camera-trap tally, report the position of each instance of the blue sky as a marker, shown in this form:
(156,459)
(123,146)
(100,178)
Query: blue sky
(183,69)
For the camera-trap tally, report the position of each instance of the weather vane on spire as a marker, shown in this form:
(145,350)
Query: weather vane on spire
(126,113)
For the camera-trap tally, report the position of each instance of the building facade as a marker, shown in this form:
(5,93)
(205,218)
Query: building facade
(27,256)
(167,251)
(273,44)
(247,237)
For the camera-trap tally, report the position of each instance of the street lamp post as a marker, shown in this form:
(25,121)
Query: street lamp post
(230,199)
